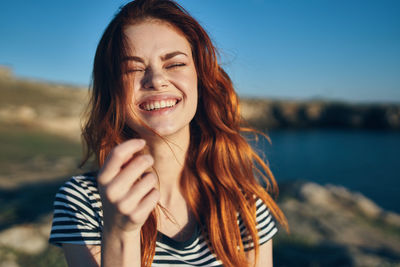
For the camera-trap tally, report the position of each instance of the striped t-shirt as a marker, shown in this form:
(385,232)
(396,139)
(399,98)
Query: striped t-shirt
(78,219)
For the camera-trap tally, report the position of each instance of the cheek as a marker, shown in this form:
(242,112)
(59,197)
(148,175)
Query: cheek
(188,82)
(192,92)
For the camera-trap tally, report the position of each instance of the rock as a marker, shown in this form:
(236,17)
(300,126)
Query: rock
(355,200)
(333,226)
(367,206)
(316,194)
(314,111)
(391,218)
(29,239)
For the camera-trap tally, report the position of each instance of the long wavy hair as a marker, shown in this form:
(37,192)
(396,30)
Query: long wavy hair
(225,171)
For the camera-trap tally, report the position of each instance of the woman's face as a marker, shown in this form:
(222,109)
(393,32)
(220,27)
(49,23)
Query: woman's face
(162,76)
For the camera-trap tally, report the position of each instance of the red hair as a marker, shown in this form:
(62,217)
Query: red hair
(225,169)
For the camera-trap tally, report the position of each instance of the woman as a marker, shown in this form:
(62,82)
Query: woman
(177,183)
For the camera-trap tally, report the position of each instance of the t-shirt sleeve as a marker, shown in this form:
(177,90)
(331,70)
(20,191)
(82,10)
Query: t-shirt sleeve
(266,226)
(77,217)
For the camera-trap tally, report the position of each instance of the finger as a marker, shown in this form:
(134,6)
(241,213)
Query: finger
(146,205)
(118,156)
(137,192)
(118,187)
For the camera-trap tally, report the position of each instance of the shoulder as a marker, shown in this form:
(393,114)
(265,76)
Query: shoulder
(85,181)
(80,192)
(265,225)
(77,216)
(81,188)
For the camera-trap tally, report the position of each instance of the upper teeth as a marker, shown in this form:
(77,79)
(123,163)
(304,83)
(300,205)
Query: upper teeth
(159,104)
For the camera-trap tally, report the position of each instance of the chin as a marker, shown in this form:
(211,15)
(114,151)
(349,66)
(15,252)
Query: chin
(162,130)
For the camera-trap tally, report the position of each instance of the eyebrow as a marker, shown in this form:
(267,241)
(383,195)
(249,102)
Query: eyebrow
(133,58)
(172,54)
(164,57)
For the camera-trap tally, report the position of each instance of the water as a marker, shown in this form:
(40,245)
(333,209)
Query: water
(363,161)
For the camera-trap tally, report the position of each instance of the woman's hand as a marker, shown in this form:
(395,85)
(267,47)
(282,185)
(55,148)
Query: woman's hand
(128,193)
(127,189)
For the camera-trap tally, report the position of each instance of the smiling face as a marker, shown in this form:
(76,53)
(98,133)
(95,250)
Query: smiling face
(161,75)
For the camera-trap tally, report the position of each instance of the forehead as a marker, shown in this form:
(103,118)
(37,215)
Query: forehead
(151,37)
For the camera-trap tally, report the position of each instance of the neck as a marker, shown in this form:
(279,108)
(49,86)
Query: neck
(169,158)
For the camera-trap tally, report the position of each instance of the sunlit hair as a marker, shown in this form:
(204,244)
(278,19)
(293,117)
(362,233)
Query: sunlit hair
(224,169)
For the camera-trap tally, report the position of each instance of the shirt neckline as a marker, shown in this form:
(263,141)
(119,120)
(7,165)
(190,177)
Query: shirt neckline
(164,239)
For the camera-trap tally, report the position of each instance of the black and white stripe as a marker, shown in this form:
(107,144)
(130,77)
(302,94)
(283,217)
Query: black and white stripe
(78,219)
(265,226)
(77,215)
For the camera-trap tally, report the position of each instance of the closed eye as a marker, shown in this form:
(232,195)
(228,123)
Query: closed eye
(175,65)
(134,70)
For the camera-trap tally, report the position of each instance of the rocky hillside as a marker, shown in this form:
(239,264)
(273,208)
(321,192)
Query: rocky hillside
(54,107)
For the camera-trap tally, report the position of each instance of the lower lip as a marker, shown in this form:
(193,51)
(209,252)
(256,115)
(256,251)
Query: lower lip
(160,111)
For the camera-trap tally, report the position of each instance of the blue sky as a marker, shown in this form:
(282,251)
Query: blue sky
(290,49)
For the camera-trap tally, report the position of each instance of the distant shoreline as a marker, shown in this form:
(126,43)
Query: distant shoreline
(265,114)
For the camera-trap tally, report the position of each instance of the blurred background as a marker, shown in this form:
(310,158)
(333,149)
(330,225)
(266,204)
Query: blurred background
(321,78)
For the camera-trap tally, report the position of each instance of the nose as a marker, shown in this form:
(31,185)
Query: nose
(154,79)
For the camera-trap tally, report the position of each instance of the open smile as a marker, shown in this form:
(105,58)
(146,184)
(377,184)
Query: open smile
(158,104)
